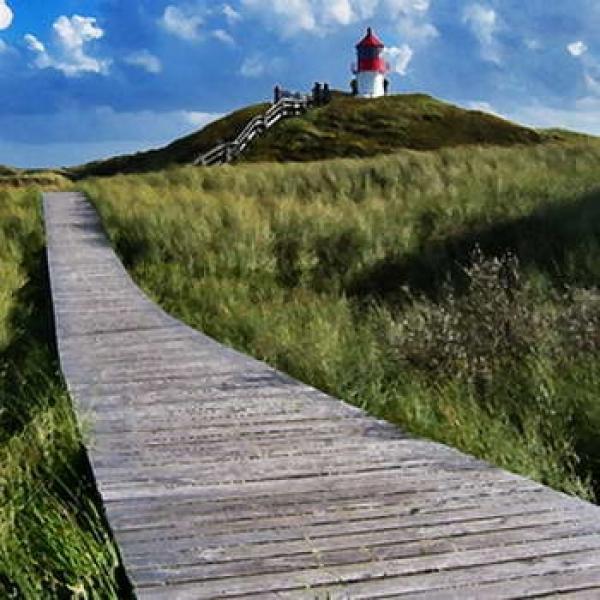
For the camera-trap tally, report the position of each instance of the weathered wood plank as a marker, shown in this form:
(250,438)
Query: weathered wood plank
(223,478)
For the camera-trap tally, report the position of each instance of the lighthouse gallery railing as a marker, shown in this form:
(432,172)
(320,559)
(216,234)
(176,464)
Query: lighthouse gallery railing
(228,151)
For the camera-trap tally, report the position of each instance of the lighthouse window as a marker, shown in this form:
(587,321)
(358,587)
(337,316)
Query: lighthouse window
(369,53)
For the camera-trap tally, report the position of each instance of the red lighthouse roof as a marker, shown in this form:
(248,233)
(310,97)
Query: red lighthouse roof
(370,41)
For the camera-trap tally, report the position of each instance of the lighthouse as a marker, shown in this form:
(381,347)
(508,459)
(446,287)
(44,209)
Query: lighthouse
(371,68)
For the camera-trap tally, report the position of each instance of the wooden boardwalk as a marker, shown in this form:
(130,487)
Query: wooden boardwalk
(223,478)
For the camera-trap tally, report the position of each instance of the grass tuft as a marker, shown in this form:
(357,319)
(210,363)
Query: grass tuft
(53,538)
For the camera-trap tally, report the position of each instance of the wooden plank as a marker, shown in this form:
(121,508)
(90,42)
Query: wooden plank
(210,564)
(467,569)
(222,477)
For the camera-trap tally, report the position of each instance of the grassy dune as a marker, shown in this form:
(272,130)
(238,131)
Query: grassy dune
(53,543)
(347,127)
(453,292)
(358,127)
(180,152)
(20,178)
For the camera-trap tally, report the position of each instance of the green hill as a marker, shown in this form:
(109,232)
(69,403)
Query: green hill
(180,152)
(356,127)
(347,127)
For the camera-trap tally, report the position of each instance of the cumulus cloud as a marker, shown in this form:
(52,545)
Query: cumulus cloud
(408,5)
(399,58)
(223,36)
(6,15)
(339,11)
(253,66)
(291,17)
(417,31)
(68,53)
(483,106)
(483,22)
(199,119)
(232,15)
(533,44)
(184,23)
(34,44)
(144,59)
(592,83)
(257,65)
(584,116)
(577,48)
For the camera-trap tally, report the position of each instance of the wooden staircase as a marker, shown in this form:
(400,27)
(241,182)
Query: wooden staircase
(228,151)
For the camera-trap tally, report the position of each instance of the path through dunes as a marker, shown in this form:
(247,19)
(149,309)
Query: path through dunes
(222,477)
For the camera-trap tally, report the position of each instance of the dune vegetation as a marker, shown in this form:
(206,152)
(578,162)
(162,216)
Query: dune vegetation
(53,541)
(347,127)
(453,292)
(21,178)
(180,152)
(359,127)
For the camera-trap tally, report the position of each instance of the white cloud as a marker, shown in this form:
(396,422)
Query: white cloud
(483,22)
(338,11)
(223,36)
(414,30)
(144,59)
(288,16)
(365,9)
(593,84)
(533,44)
(199,119)
(257,65)
(232,15)
(76,31)
(253,66)
(6,15)
(182,23)
(399,58)
(408,6)
(584,116)
(34,44)
(577,48)
(291,17)
(483,106)
(69,53)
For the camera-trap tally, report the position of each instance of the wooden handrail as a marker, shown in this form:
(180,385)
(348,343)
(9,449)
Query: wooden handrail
(227,151)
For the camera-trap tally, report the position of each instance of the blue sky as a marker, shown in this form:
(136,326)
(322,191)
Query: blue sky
(84,79)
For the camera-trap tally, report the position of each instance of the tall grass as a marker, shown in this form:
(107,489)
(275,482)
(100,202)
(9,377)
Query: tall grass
(53,542)
(359,277)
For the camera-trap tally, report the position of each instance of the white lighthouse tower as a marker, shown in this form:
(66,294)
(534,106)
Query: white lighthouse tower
(371,68)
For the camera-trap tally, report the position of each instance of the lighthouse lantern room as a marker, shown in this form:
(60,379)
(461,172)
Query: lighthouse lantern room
(371,68)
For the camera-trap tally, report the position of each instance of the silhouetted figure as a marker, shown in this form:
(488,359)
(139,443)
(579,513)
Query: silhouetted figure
(277,94)
(326,94)
(354,87)
(317,94)
(386,86)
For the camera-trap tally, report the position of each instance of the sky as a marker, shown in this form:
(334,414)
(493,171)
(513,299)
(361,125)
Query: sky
(86,79)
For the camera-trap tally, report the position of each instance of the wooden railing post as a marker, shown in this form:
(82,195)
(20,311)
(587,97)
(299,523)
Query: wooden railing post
(224,153)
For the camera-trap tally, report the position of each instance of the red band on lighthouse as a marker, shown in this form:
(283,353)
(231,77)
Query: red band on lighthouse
(371,67)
